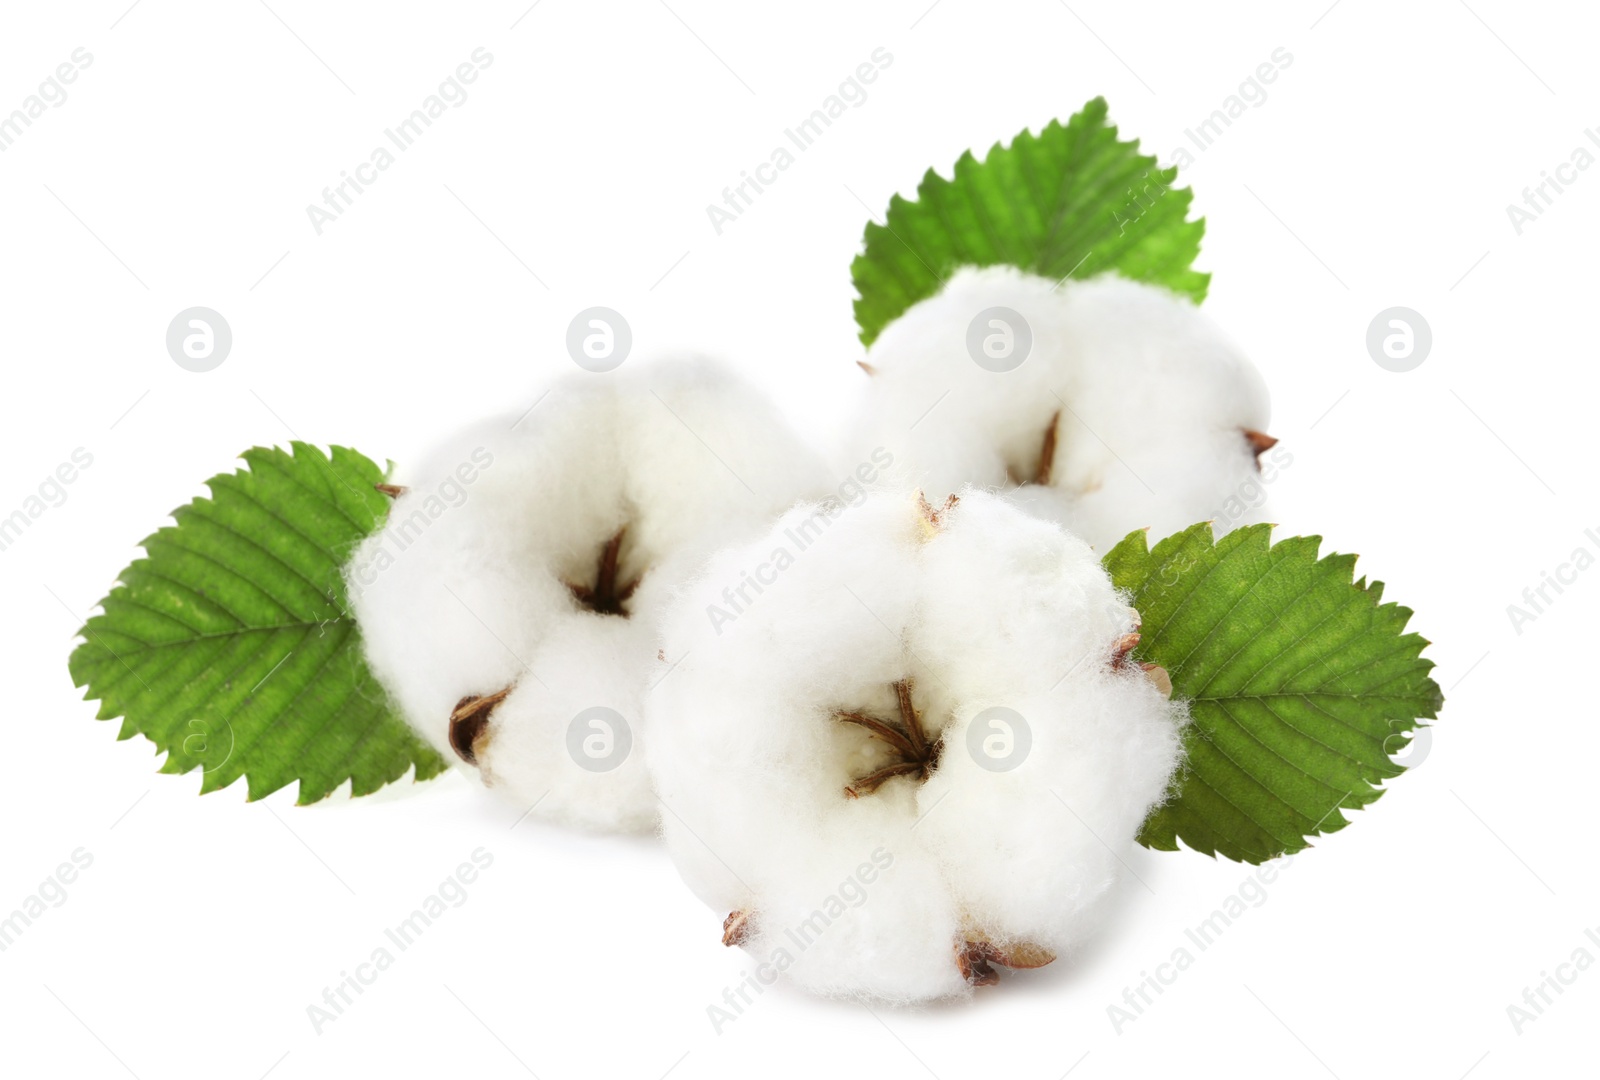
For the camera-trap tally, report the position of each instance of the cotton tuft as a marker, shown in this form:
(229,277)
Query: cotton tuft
(891,892)
(1154,410)
(472,602)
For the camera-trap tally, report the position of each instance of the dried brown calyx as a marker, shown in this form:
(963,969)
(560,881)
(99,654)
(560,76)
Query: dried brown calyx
(1045,467)
(1260,442)
(1123,647)
(1121,657)
(736,928)
(916,754)
(606,596)
(468,720)
(976,956)
(932,518)
(1158,677)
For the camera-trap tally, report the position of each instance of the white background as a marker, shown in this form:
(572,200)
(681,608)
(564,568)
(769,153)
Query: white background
(1376,173)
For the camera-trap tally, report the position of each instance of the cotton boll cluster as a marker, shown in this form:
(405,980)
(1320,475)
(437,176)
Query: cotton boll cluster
(898,743)
(932,705)
(511,603)
(1105,405)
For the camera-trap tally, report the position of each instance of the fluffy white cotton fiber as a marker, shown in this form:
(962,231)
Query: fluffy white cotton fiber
(536,554)
(914,749)
(1157,418)
(898,744)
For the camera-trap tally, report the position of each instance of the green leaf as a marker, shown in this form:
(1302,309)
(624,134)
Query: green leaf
(1301,684)
(1072,200)
(230,645)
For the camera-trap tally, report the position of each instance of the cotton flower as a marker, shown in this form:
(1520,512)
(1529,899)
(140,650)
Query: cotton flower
(511,603)
(1105,405)
(917,752)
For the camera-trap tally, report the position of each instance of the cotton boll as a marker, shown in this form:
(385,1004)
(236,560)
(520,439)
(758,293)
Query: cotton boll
(863,852)
(521,575)
(1093,769)
(564,739)
(1127,402)
(949,421)
(455,590)
(1166,423)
